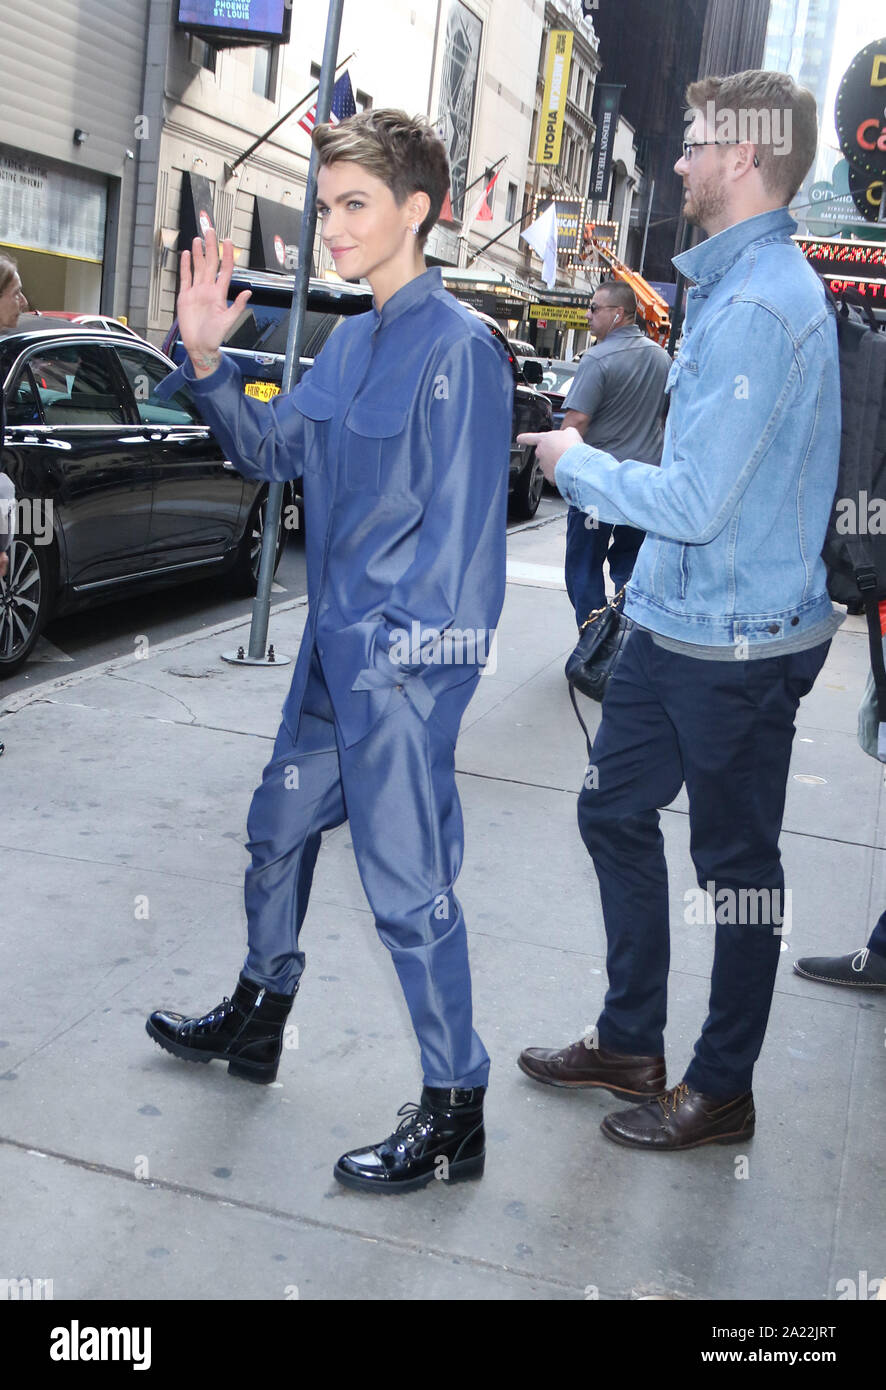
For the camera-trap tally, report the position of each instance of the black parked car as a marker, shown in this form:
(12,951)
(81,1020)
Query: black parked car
(257,343)
(116,490)
(532,415)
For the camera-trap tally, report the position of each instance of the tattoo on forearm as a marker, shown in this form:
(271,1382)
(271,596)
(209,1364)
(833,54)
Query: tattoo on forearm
(206,361)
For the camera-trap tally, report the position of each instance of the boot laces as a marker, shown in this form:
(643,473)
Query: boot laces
(860,959)
(211,1022)
(670,1101)
(413,1129)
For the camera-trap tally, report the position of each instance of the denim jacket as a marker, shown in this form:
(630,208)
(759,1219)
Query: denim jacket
(736,514)
(401,434)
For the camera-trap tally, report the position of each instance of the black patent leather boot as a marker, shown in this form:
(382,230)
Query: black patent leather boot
(245,1031)
(442,1137)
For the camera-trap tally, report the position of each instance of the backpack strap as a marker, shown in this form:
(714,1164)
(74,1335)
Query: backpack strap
(841,304)
(866,580)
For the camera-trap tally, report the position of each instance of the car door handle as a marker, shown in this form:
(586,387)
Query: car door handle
(180,436)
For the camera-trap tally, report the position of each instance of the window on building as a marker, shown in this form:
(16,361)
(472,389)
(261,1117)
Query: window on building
(490,196)
(203,55)
(264,72)
(579,83)
(511,204)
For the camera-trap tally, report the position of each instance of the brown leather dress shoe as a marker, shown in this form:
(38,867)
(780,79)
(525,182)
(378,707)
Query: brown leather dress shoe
(629,1078)
(682,1119)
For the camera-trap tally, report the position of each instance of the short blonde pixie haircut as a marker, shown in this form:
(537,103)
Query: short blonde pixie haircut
(405,152)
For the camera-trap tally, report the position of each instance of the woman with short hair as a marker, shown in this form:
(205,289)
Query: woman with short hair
(401,433)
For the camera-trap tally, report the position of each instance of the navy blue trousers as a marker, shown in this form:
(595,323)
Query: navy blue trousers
(586,548)
(725,728)
(396,788)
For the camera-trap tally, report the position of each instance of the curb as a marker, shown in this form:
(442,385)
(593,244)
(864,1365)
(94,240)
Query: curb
(46,689)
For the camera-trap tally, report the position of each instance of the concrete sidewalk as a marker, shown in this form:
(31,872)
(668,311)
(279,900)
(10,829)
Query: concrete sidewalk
(127,1174)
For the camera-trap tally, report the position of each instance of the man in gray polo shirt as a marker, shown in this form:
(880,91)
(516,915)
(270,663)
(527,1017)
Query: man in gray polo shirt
(616,402)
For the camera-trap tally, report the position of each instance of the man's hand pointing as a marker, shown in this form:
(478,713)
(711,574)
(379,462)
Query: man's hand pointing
(549,447)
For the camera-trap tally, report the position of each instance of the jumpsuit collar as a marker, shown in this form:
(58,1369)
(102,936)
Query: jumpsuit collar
(409,295)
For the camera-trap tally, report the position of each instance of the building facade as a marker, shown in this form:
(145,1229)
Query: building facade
(205,106)
(68,147)
(105,179)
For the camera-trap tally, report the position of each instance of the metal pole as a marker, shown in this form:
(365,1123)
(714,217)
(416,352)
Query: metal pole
(646,228)
(292,369)
(472,255)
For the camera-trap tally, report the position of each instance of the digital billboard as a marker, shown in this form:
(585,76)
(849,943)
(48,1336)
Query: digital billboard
(233,21)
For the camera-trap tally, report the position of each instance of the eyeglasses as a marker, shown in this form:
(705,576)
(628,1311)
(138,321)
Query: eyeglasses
(595,308)
(690,145)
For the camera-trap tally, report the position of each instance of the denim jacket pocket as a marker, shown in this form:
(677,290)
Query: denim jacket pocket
(368,436)
(684,569)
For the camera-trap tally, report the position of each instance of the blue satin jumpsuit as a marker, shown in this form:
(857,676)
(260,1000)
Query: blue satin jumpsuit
(401,434)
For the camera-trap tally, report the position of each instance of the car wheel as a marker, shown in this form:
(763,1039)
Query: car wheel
(528,489)
(244,576)
(26,594)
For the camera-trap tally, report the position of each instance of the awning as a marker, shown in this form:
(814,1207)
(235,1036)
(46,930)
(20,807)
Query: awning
(196,215)
(488,278)
(568,297)
(276,229)
(493,292)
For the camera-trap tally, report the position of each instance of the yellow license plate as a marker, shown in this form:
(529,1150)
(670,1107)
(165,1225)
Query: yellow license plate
(262,390)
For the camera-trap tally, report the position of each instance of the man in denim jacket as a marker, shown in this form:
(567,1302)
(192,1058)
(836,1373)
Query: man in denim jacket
(733,621)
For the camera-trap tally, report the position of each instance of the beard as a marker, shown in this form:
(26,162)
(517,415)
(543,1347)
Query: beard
(705,205)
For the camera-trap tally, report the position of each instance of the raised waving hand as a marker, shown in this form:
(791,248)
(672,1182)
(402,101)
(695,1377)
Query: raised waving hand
(204,316)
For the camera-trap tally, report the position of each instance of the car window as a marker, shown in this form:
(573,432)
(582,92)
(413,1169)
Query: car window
(558,378)
(264,328)
(22,404)
(144,373)
(76,385)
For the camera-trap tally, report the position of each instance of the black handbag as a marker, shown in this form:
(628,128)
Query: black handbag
(601,639)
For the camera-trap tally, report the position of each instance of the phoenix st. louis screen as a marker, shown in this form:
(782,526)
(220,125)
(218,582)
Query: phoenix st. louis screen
(263,18)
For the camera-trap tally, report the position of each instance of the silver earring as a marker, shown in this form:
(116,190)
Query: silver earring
(415,229)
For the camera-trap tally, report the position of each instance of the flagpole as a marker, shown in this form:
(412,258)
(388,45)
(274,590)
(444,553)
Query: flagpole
(261,608)
(479,177)
(472,256)
(230,169)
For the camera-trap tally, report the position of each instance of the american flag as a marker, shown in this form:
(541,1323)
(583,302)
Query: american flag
(343,105)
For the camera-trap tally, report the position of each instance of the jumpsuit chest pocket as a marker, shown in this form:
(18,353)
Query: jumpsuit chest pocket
(372,444)
(317,405)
